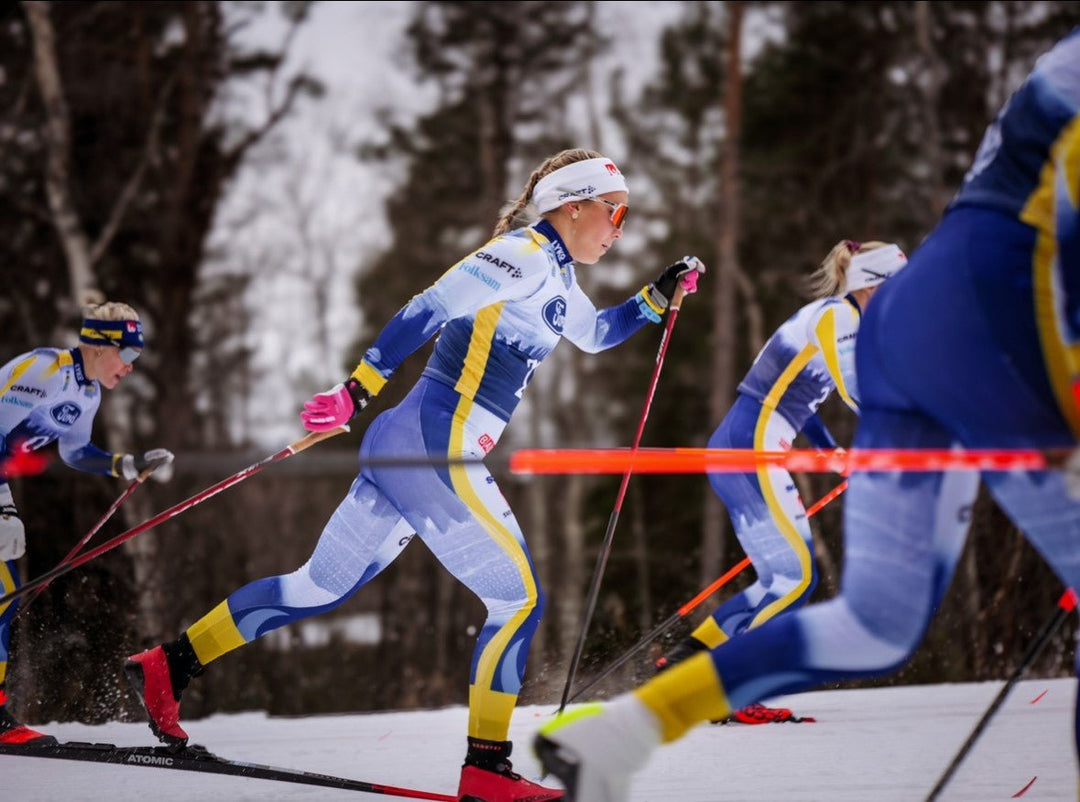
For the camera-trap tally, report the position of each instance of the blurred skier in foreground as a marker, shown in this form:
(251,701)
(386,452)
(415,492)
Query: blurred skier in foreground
(974,344)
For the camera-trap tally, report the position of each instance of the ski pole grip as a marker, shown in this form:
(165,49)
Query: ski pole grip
(315,437)
(677,299)
(153,466)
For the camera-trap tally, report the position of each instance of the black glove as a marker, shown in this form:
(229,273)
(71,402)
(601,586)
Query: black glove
(662,290)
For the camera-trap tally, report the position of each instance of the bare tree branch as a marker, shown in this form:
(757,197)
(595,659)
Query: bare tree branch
(134,182)
(81,255)
(276,115)
(298,84)
(65,217)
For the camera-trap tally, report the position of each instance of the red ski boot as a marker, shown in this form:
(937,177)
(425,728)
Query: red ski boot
(148,673)
(13,732)
(759,714)
(487,776)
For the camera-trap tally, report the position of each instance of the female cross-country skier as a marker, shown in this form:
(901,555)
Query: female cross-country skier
(1000,369)
(53,394)
(808,357)
(498,312)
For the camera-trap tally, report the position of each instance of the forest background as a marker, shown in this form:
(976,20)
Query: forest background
(181,157)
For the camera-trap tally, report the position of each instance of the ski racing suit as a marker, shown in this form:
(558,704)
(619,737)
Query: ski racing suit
(973,344)
(499,312)
(809,356)
(44,397)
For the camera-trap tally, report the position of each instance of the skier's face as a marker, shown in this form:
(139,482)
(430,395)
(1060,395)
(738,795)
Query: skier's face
(597,225)
(112,365)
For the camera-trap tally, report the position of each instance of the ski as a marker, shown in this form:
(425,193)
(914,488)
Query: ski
(792,720)
(198,758)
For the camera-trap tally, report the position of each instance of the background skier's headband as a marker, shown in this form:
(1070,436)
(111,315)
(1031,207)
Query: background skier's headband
(581,179)
(121,333)
(870,268)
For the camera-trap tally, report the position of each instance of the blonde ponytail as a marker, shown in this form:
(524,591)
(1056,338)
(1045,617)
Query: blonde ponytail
(828,279)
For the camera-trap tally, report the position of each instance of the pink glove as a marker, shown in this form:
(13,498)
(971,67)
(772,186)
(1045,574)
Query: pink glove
(689,280)
(334,408)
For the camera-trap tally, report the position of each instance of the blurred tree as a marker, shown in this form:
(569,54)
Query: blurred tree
(113,156)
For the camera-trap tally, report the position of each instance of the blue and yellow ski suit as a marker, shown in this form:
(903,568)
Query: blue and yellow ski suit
(811,355)
(498,313)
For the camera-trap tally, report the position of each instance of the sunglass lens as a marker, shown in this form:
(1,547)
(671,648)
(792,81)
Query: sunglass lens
(128,355)
(618,215)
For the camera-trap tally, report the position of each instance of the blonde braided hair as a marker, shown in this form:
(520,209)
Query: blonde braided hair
(514,213)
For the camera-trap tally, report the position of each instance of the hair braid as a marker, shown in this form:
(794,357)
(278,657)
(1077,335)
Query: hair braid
(514,213)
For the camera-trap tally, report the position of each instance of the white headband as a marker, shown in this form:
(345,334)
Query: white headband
(870,268)
(584,179)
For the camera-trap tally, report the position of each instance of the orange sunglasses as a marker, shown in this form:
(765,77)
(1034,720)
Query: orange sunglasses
(618,210)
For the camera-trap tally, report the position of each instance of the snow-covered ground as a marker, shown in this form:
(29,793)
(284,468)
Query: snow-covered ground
(867,745)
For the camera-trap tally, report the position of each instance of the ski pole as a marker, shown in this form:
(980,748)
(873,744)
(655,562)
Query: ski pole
(142,477)
(695,602)
(821,502)
(293,448)
(1066,604)
(605,548)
